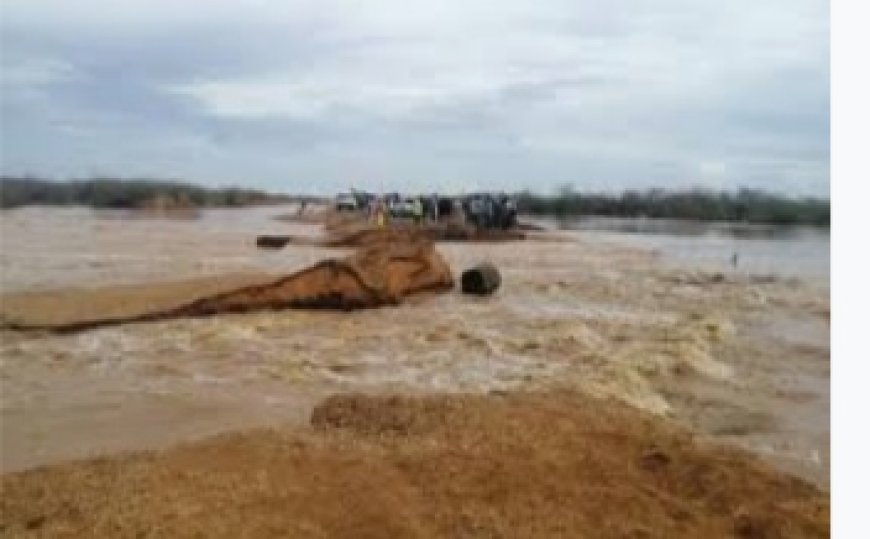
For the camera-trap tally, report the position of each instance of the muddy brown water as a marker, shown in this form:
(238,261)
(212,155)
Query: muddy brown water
(737,358)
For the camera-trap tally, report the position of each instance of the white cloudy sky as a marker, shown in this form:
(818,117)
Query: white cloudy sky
(315,96)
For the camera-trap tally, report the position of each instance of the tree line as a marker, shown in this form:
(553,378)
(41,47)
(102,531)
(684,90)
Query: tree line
(125,193)
(746,205)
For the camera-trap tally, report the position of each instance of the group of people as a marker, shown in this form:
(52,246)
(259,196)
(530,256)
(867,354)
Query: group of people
(486,210)
(418,209)
(483,210)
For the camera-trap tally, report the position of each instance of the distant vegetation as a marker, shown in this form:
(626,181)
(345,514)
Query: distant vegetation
(747,205)
(120,193)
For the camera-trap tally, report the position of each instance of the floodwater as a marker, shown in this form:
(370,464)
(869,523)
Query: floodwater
(56,248)
(797,251)
(739,355)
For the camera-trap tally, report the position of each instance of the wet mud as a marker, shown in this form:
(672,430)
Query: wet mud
(379,274)
(502,465)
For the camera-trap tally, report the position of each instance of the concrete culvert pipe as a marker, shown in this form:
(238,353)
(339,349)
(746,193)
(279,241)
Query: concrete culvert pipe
(482,280)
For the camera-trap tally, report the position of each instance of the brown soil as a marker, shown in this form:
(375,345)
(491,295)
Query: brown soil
(503,465)
(351,232)
(379,274)
(530,227)
(59,307)
(313,214)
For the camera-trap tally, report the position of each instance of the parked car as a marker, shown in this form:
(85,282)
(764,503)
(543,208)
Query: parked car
(346,202)
(402,208)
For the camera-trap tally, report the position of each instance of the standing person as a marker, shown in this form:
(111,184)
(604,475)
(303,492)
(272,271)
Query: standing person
(511,205)
(476,211)
(490,212)
(381,213)
(418,211)
(435,207)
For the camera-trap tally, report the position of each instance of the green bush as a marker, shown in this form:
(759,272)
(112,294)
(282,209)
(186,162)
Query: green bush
(748,205)
(123,193)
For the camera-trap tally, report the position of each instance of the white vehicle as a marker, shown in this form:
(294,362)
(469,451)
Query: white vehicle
(346,202)
(402,208)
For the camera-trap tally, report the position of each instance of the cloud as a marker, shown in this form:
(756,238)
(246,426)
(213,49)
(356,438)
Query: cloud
(33,73)
(290,95)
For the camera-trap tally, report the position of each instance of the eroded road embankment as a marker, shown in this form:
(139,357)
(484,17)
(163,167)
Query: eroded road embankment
(507,465)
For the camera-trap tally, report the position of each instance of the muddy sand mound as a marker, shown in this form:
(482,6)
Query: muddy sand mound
(353,234)
(517,465)
(378,274)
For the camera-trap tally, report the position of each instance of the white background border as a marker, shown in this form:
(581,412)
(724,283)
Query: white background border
(850,252)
